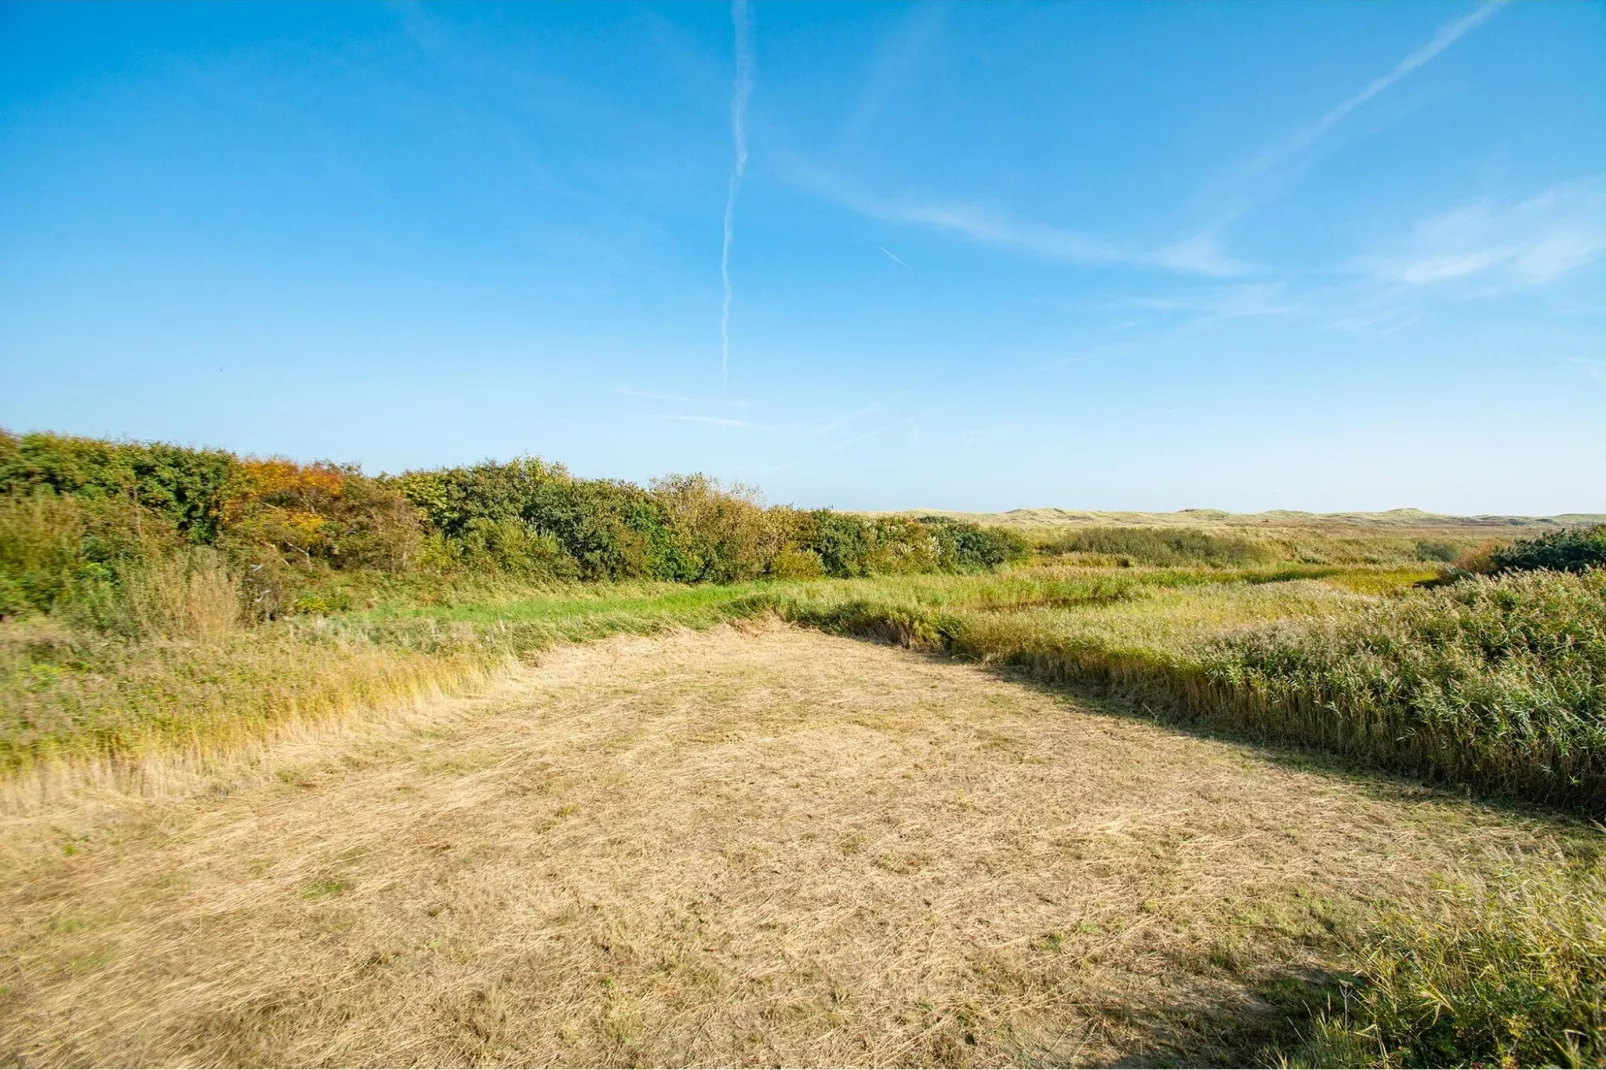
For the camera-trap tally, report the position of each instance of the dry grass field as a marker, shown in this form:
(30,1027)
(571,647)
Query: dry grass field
(750,845)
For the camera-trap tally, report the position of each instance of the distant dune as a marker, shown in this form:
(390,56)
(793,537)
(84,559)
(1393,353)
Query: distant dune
(1275,518)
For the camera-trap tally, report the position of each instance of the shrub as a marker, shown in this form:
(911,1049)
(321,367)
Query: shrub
(720,534)
(966,547)
(1568,550)
(317,513)
(1434,550)
(791,563)
(841,540)
(184,486)
(510,546)
(610,530)
(69,554)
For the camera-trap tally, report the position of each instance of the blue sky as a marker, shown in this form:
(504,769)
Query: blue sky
(1142,255)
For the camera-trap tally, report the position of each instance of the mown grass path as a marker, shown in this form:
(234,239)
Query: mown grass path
(749,845)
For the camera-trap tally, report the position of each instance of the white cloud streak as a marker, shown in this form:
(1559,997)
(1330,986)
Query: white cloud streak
(1531,243)
(735,403)
(832,425)
(1448,34)
(1595,369)
(844,444)
(739,94)
(1196,256)
(1218,302)
(896,258)
(717,421)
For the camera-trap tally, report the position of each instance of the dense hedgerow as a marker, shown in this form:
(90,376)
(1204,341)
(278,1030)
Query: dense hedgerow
(78,514)
(184,486)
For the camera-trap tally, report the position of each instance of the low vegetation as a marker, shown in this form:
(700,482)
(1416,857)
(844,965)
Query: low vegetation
(1572,550)
(1502,972)
(160,601)
(1497,682)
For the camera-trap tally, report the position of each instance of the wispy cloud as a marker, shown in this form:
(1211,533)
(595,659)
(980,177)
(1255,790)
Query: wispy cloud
(735,403)
(836,422)
(1379,325)
(988,226)
(717,421)
(1530,243)
(739,94)
(844,444)
(1448,34)
(893,72)
(1217,302)
(1595,369)
(1252,184)
(893,255)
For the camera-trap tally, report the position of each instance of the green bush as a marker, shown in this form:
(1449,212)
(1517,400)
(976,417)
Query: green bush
(71,554)
(1436,550)
(967,547)
(1568,550)
(185,486)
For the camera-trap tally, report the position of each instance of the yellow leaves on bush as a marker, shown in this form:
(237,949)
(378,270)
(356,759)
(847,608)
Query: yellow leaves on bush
(284,483)
(279,512)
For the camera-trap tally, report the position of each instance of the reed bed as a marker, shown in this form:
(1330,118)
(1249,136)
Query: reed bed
(1496,683)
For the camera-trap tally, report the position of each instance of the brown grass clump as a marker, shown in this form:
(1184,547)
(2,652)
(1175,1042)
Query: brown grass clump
(186,596)
(721,848)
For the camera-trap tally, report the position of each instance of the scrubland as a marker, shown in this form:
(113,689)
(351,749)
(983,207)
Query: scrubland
(1408,711)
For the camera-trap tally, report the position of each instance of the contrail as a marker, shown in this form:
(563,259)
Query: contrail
(1448,34)
(744,86)
(892,254)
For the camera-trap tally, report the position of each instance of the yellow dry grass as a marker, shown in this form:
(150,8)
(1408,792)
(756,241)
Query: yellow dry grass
(743,846)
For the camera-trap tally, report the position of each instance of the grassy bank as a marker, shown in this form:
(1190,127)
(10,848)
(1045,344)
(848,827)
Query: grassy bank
(1497,971)
(70,694)
(188,682)
(1496,683)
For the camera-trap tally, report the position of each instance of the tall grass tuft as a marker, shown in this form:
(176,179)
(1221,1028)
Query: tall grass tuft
(1495,681)
(1161,546)
(1505,972)
(187,595)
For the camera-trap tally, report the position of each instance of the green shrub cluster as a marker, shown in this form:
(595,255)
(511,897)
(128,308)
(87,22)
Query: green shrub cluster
(72,553)
(534,518)
(1567,550)
(1162,546)
(185,487)
(76,514)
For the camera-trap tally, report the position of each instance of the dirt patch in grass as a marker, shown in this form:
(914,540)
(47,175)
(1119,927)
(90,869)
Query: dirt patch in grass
(756,845)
